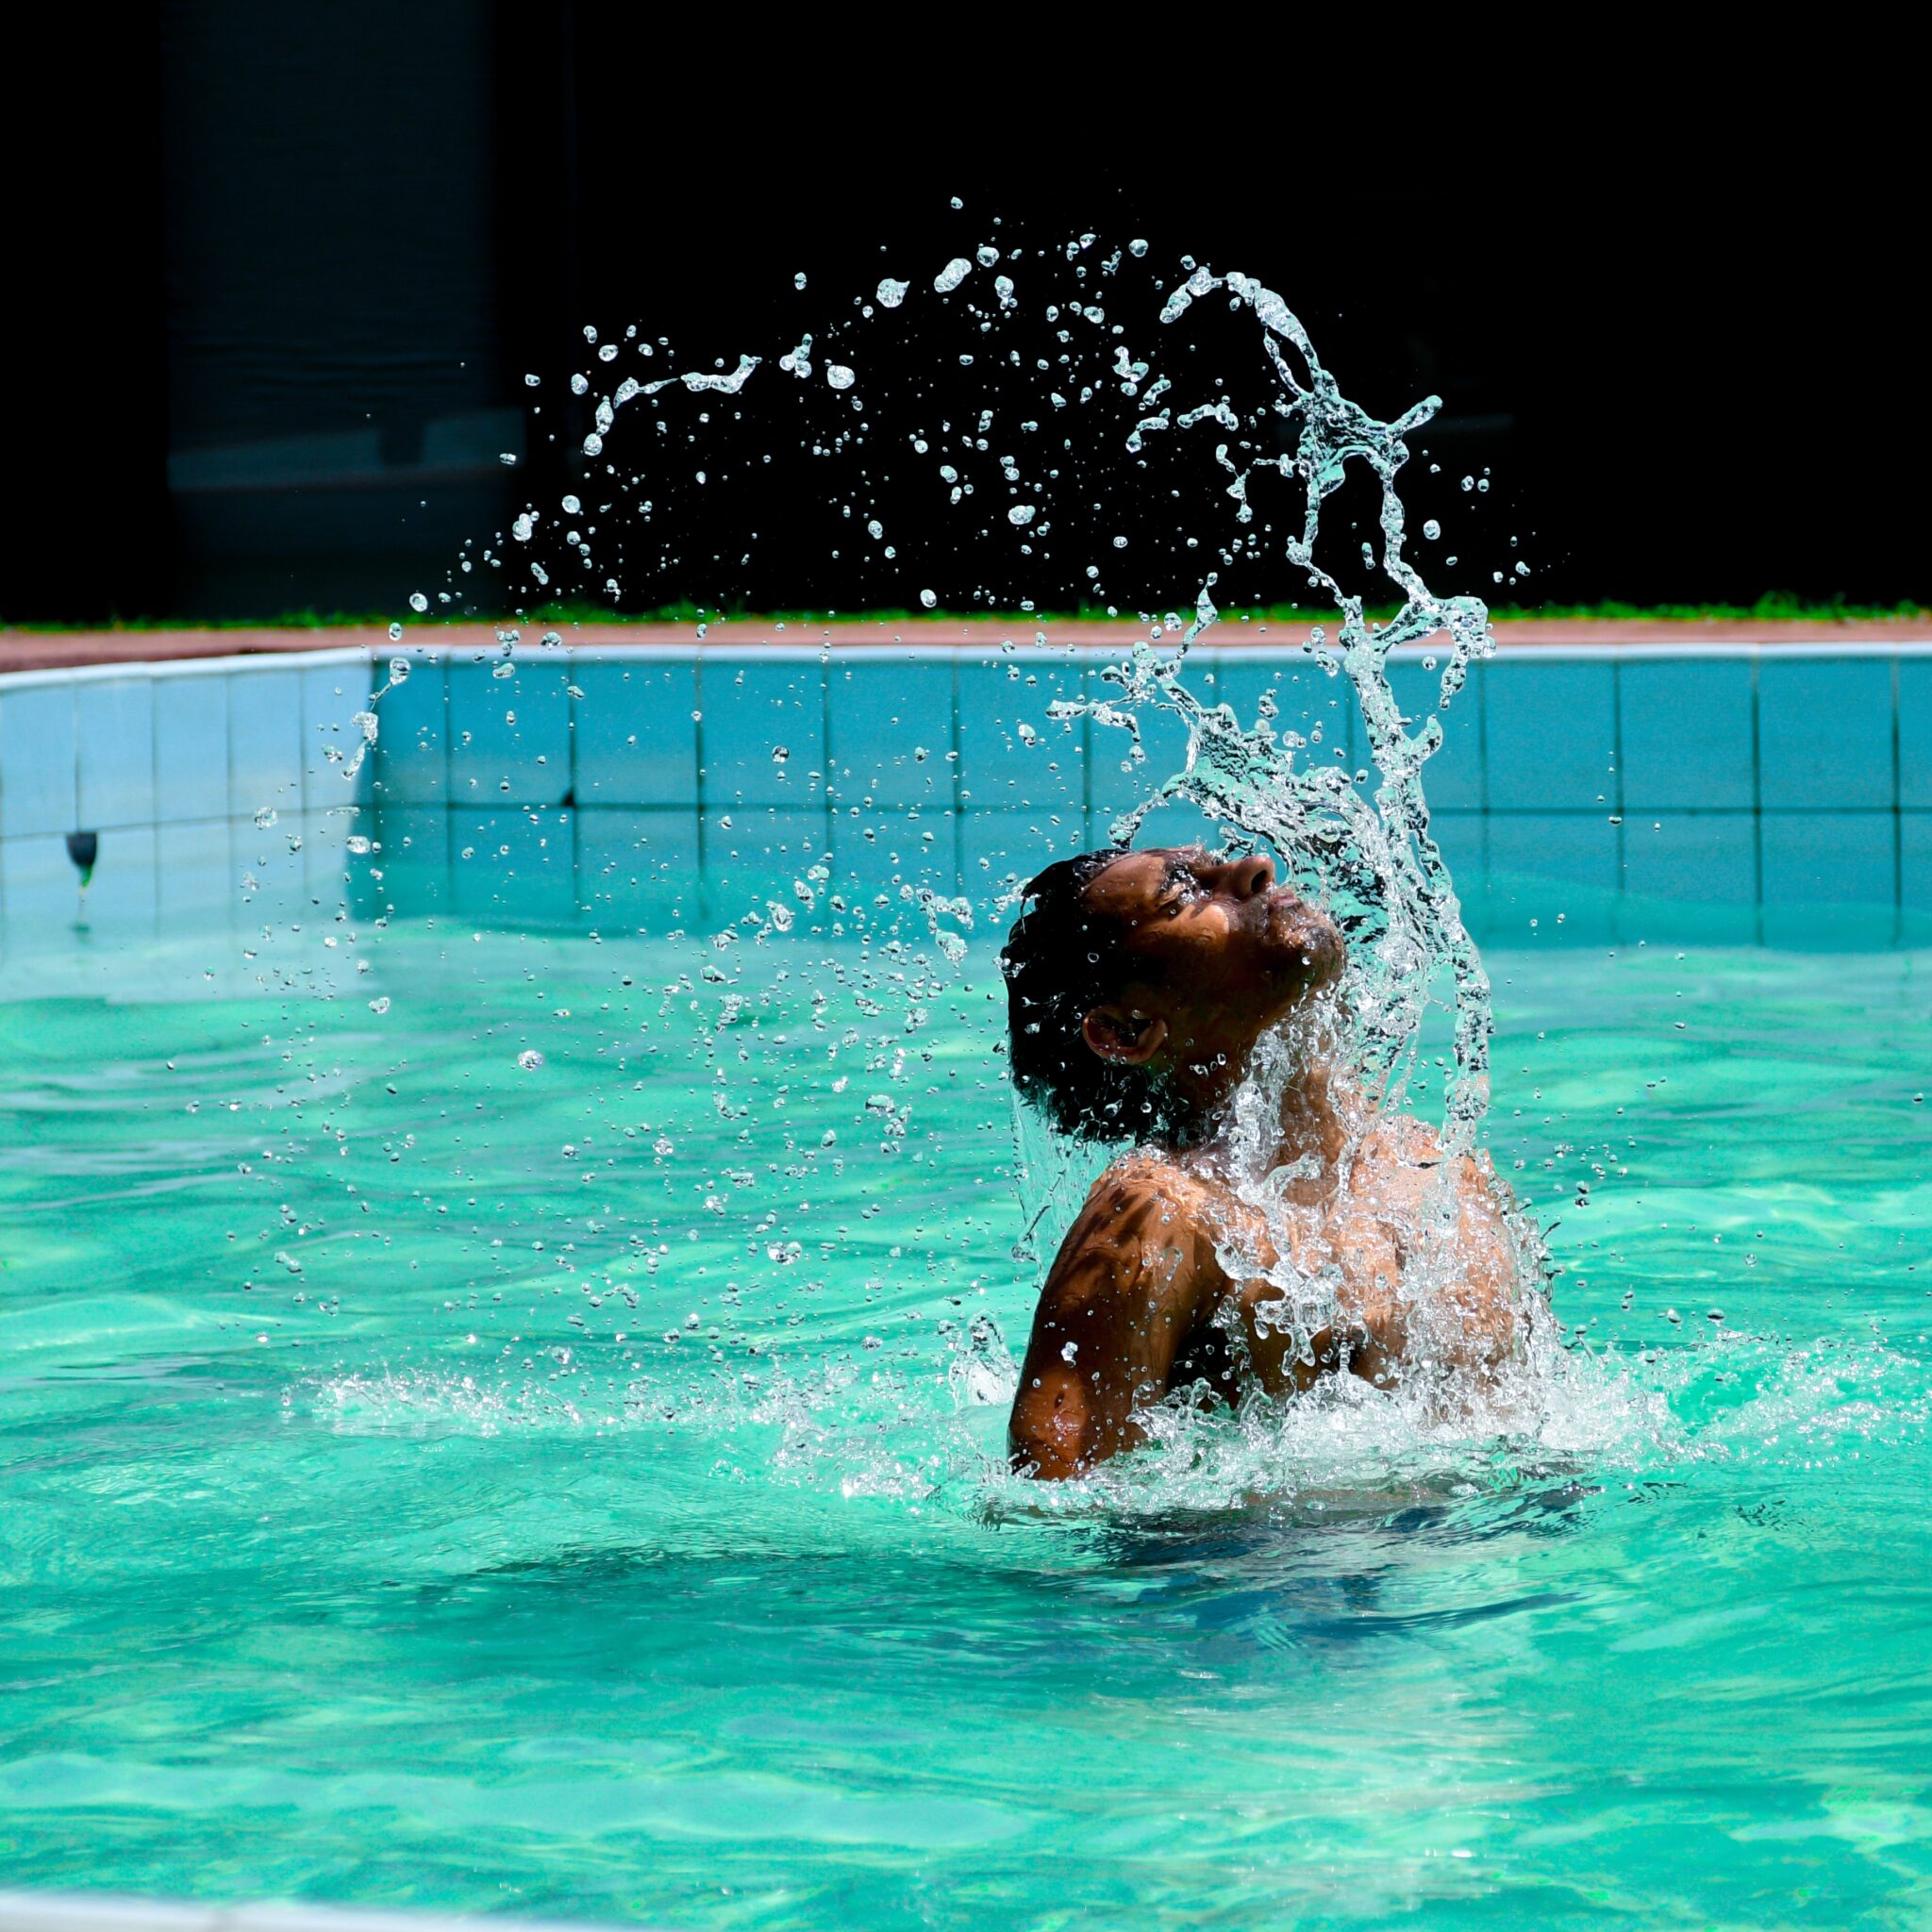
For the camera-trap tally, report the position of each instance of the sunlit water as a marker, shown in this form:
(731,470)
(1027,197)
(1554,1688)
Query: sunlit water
(426,1569)
(500,1419)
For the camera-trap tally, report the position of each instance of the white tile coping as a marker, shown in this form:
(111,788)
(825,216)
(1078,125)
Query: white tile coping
(105,1911)
(185,667)
(749,653)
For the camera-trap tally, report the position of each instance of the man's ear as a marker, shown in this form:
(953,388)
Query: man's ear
(1131,1040)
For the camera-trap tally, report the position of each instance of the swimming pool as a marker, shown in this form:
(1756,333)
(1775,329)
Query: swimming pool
(503,1360)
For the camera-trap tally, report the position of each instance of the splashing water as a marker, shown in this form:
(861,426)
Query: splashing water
(1369,857)
(1372,862)
(1366,854)
(673,1353)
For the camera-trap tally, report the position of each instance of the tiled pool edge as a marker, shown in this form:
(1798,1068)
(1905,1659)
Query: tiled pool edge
(1733,773)
(74,743)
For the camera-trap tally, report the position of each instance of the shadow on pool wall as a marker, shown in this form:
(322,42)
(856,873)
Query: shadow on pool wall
(1756,795)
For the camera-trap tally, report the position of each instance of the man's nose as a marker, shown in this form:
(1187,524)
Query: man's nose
(1248,876)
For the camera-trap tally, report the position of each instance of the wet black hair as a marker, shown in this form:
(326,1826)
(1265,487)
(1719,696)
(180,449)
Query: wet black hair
(1059,963)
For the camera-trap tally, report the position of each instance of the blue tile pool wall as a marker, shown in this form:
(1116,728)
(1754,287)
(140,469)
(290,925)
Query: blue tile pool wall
(1623,788)
(171,766)
(1658,779)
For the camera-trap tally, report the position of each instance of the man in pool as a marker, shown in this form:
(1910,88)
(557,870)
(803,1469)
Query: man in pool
(1139,986)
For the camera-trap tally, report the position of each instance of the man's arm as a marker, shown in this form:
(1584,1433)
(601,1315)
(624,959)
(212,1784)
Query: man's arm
(1482,1304)
(1469,1319)
(1124,1290)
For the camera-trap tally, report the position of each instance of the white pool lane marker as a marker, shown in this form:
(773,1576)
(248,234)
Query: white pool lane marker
(80,1912)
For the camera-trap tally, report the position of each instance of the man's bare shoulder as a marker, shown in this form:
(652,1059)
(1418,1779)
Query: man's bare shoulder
(1153,1173)
(1148,1210)
(1400,1157)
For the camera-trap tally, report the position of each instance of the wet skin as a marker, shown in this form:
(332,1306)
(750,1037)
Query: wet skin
(1139,1302)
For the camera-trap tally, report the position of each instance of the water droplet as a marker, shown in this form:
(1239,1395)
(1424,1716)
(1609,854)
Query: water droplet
(1432,529)
(398,671)
(875,529)
(379,1005)
(1021,513)
(892,293)
(799,280)
(395,633)
(529,1060)
(265,818)
(780,754)
(838,376)
(418,601)
(952,274)
(930,598)
(1136,248)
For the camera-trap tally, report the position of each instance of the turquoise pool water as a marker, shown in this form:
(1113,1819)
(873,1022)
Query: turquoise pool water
(365,1538)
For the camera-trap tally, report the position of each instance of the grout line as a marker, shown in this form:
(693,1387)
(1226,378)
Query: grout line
(228,749)
(1757,810)
(825,739)
(697,737)
(957,764)
(1617,772)
(153,778)
(1898,863)
(449,737)
(1477,686)
(1086,840)
(576,815)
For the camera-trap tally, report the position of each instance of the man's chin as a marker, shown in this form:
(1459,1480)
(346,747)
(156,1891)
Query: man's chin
(1307,936)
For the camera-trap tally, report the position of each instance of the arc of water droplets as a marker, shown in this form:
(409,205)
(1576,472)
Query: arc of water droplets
(1375,863)
(730,385)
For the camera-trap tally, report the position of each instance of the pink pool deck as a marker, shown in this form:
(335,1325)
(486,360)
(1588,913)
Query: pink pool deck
(30,650)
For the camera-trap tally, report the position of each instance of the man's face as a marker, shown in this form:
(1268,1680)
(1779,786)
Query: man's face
(1218,953)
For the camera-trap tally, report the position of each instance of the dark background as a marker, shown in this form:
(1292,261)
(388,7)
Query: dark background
(282,270)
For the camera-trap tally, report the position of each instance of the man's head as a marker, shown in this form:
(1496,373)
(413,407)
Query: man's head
(1139,982)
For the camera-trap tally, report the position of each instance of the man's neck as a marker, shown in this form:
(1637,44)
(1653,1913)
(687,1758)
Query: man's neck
(1311,1129)
(1312,1124)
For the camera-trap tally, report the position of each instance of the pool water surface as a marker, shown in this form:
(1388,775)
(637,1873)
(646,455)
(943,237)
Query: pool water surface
(440,1476)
